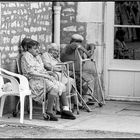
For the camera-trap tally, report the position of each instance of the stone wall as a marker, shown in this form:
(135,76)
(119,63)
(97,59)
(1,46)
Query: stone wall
(85,18)
(20,19)
(69,24)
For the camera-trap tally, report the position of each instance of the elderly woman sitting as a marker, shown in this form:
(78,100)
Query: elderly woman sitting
(31,63)
(51,60)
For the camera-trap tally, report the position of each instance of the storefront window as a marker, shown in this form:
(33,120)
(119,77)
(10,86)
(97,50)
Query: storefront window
(127,30)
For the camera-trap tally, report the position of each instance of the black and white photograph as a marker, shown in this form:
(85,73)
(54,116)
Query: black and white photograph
(69,69)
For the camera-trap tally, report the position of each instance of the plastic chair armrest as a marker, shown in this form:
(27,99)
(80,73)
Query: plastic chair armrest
(24,84)
(14,82)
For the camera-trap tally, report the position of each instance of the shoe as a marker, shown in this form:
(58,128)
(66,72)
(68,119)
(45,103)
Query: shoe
(67,115)
(58,112)
(90,103)
(50,116)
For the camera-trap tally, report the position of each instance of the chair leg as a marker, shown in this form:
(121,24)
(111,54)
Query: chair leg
(17,107)
(82,100)
(22,98)
(94,98)
(74,86)
(81,78)
(43,107)
(69,99)
(77,105)
(84,103)
(44,102)
(2,105)
(99,83)
(31,107)
(77,102)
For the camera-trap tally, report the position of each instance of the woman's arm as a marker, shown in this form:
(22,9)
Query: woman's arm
(58,69)
(48,66)
(27,64)
(47,59)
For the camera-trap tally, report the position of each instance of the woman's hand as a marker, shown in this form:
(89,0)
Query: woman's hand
(57,68)
(53,75)
(41,75)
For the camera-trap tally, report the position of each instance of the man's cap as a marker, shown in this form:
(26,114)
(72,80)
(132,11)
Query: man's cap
(77,37)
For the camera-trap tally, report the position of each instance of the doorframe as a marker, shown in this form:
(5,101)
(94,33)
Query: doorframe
(111,64)
(107,25)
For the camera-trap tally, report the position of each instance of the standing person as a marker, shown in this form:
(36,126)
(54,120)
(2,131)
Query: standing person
(31,63)
(70,54)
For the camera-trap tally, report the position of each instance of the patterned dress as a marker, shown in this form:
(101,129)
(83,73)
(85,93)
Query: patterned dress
(31,64)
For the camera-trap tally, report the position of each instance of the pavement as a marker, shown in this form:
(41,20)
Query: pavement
(114,116)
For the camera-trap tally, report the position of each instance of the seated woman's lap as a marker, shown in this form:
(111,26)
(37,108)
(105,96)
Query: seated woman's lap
(37,87)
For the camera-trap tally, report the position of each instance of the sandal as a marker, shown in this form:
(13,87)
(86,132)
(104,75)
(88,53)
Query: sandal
(50,116)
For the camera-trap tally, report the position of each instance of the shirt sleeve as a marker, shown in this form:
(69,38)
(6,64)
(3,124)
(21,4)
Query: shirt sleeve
(45,58)
(46,61)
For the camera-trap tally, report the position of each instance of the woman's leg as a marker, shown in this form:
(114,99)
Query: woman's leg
(74,98)
(49,112)
(57,105)
(63,99)
(66,113)
(50,104)
(72,90)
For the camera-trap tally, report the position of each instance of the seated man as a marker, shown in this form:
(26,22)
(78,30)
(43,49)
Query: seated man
(31,63)
(50,60)
(70,54)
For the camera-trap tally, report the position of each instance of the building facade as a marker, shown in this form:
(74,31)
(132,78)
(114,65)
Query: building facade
(97,22)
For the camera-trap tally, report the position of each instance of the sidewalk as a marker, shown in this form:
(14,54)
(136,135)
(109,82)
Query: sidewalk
(114,116)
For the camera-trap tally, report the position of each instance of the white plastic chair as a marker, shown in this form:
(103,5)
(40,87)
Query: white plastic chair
(18,62)
(34,76)
(20,89)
